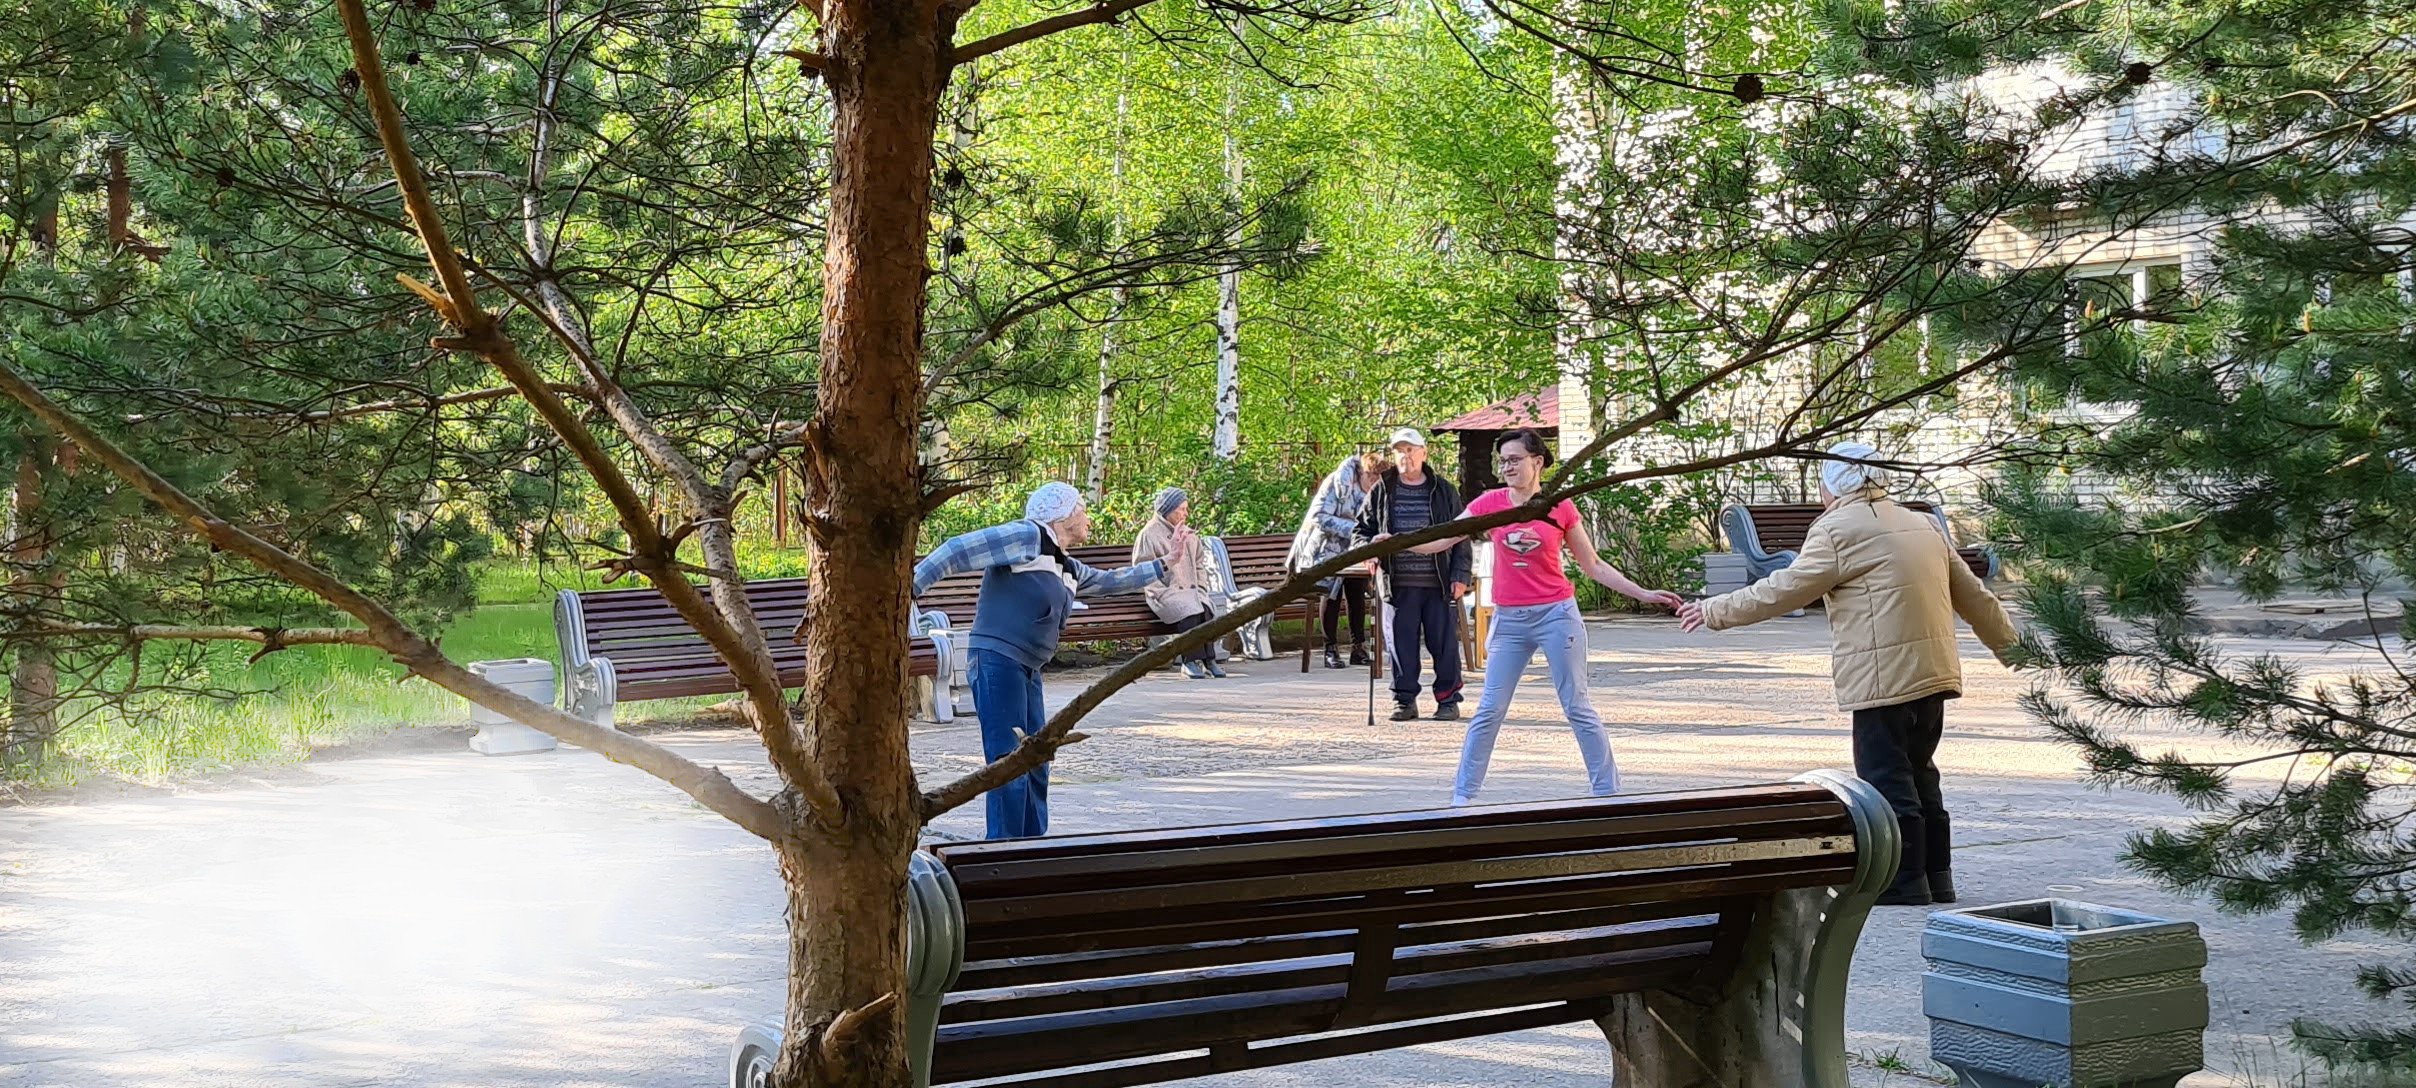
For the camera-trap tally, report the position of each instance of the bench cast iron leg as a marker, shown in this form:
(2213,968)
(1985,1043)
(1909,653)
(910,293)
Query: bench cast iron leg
(943,678)
(935,955)
(1779,1020)
(589,691)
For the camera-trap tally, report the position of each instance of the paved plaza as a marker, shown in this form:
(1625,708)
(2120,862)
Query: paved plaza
(424,916)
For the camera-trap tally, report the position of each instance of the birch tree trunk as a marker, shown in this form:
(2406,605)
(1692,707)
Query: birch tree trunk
(1103,422)
(1228,441)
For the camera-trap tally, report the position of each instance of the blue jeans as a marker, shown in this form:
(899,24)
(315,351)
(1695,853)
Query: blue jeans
(1006,697)
(1518,632)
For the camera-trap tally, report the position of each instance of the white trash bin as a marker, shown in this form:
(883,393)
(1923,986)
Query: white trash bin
(501,736)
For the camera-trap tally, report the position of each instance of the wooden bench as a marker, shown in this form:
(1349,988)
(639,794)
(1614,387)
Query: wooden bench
(1239,567)
(1245,567)
(1768,536)
(1707,925)
(628,645)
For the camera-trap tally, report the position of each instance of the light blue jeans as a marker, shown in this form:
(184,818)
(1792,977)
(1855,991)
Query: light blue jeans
(1518,632)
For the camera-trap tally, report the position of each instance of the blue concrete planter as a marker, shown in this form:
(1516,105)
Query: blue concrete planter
(2053,992)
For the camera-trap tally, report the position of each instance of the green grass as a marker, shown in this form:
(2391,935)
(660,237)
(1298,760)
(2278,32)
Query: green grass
(299,700)
(290,704)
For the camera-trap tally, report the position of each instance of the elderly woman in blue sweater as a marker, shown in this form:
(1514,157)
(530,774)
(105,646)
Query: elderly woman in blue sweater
(1029,586)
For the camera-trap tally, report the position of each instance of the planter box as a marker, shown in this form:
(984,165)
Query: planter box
(501,736)
(2050,992)
(1724,572)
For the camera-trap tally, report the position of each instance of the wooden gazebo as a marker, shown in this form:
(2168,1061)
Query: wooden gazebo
(1477,431)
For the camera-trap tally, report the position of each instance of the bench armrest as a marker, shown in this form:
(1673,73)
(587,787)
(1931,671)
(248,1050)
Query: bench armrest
(1878,844)
(570,628)
(1736,523)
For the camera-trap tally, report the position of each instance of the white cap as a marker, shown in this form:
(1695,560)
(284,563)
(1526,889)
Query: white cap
(1409,435)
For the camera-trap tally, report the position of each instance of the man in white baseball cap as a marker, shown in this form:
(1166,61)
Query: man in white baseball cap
(1422,590)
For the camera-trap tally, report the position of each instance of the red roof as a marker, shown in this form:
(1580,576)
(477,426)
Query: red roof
(1537,409)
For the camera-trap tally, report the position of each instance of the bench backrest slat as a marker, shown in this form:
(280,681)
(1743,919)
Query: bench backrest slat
(657,654)
(1137,946)
(1779,527)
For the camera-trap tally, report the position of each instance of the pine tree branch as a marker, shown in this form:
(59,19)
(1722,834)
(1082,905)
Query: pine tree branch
(396,404)
(1107,12)
(749,658)
(417,654)
(271,639)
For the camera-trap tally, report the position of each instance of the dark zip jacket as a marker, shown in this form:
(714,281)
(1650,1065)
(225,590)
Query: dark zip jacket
(1376,519)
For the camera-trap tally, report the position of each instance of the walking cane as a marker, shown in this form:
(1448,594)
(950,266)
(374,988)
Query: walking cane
(1375,662)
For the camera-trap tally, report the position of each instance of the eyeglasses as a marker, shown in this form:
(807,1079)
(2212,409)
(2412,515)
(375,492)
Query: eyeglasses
(1512,462)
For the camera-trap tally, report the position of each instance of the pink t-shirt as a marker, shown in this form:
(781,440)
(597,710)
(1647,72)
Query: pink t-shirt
(1526,554)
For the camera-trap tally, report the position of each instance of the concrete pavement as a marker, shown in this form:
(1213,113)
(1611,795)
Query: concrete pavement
(441,918)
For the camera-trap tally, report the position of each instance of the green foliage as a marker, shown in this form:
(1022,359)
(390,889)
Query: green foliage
(1649,537)
(2264,436)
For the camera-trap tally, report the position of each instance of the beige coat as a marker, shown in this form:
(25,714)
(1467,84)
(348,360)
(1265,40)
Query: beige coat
(1181,596)
(1894,588)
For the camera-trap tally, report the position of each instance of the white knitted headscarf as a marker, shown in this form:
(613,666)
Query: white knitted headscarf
(1051,503)
(1852,474)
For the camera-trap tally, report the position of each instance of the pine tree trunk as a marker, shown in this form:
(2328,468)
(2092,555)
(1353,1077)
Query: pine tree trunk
(1228,441)
(121,197)
(33,696)
(887,65)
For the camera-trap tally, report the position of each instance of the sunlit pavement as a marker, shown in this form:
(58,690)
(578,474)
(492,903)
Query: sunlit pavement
(451,919)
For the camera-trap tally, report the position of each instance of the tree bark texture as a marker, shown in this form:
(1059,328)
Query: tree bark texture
(35,584)
(1103,421)
(887,66)
(1228,441)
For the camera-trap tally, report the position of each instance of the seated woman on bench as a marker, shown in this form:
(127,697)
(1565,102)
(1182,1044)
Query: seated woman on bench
(1028,588)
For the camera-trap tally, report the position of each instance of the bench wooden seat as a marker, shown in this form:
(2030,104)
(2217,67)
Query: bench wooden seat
(628,645)
(1727,916)
(1769,535)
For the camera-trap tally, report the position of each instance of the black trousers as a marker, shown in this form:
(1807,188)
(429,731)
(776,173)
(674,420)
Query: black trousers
(1896,751)
(1354,588)
(1207,652)
(1424,614)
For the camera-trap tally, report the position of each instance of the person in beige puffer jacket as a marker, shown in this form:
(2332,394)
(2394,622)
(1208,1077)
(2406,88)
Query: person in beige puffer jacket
(1893,587)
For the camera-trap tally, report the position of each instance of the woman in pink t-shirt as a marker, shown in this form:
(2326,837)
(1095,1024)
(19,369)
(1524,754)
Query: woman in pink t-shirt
(1535,609)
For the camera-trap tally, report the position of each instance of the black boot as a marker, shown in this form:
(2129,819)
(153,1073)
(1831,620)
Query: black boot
(1911,886)
(1405,711)
(1333,658)
(1939,858)
(1358,653)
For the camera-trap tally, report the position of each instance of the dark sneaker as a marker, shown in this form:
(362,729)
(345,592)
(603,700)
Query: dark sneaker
(1333,658)
(1405,712)
(1359,653)
(1193,670)
(1447,712)
(1214,671)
